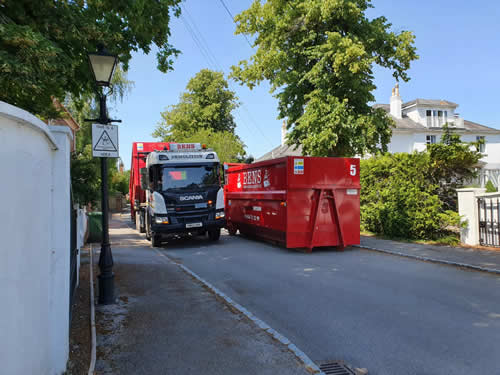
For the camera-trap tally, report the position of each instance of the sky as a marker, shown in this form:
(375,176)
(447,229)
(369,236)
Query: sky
(458,43)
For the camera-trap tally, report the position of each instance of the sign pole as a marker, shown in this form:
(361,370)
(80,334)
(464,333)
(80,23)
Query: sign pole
(106,276)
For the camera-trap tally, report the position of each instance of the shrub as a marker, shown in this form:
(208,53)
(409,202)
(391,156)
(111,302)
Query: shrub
(490,188)
(400,201)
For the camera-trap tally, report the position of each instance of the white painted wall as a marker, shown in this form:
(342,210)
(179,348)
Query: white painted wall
(409,142)
(419,114)
(34,227)
(60,251)
(401,142)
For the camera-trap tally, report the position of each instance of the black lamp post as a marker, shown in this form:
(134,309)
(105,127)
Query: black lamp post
(103,65)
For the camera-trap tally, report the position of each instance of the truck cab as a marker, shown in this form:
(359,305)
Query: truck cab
(184,194)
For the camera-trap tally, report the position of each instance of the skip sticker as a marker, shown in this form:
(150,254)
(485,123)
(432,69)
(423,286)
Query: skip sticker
(266,178)
(352,192)
(140,147)
(298,166)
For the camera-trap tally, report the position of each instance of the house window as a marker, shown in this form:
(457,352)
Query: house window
(482,145)
(429,118)
(445,116)
(440,118)
(435,118)
(430,139)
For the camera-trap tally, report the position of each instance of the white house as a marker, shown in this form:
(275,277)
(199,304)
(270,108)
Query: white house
(420,122)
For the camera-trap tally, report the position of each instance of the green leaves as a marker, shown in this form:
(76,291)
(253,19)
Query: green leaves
(398,199)
(318,56)
(204,115)
(44,44)
(227,145)
(206,104)
(413,196)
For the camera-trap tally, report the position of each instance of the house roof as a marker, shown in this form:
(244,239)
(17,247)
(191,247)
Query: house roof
(430,102)
(401,123)
(67,119)
(280,151)
(475,127)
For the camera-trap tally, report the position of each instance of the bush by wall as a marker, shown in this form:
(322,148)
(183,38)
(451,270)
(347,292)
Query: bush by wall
(400,201)
(413,196)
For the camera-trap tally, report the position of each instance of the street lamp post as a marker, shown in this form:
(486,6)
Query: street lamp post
(103,65)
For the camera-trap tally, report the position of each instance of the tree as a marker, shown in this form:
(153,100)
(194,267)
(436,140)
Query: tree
(44,44)
(453,163)
(119,182)
(318,56)
(414,195)
(85,169)
(398,199)
(227,145)
(206,104)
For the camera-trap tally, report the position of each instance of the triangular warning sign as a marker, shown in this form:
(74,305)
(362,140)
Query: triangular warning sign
(105,143)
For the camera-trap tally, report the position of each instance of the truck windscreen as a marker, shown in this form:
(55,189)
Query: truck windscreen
(188,177)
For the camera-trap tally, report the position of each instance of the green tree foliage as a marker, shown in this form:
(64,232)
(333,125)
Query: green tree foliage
(452,165)
(319,56)
(490,188)
(85,169)
(414,195)
(119,182)
(400,201)
(226,144)
(44,44)
(204,115)
(206,104)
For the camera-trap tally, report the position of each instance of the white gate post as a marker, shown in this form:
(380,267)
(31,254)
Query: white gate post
(469,213)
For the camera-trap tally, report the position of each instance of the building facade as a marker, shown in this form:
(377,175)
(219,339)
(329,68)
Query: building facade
(420,122)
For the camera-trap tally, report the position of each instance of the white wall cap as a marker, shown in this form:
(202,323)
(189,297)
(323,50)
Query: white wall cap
(27,119)
(489,195)
(476,190)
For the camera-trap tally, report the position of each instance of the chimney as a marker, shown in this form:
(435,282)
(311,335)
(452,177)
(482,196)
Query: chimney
(396,102)
(283,133)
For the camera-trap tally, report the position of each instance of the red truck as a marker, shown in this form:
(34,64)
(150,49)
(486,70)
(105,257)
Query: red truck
(140,151)
(175,188)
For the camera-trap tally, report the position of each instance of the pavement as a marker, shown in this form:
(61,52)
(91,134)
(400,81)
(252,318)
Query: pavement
(389,314)
(473,258)
(166,322)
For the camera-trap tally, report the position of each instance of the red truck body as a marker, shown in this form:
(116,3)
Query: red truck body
(301,202)
(140,151)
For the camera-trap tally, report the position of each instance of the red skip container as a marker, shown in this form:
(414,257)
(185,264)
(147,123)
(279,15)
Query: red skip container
(301,202)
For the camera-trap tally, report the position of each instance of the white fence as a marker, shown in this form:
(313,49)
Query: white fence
(35,244)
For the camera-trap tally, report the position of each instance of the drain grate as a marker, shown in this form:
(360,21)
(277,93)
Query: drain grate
(335,368)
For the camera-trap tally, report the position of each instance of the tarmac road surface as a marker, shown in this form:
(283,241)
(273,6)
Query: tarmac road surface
(389,314)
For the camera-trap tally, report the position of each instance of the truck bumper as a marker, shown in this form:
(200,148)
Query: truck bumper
(181,228)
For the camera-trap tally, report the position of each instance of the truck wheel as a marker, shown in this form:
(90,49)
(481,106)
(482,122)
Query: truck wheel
(155,240)
(139,222)
(214,234)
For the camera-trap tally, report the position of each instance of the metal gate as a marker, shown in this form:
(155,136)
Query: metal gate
(489,219)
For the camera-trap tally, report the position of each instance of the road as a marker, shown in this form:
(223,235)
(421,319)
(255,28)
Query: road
(389,314)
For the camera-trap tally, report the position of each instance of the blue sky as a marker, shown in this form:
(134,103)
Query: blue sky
(458,43)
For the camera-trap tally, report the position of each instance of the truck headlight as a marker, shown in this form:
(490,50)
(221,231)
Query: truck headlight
(219,214)
(161,219)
